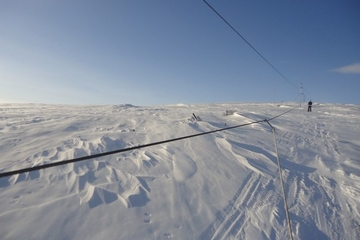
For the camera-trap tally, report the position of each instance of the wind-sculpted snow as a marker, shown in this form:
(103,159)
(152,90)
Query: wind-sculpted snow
(219,186)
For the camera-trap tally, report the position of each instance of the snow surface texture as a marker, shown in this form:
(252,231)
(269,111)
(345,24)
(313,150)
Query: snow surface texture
(219,186)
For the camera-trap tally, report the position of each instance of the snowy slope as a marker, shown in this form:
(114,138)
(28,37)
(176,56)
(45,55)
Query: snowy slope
(219,186)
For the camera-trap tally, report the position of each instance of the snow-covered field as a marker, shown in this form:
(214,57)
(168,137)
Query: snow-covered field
(223,185)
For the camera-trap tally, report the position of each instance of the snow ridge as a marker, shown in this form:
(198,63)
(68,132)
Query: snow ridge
(219,186)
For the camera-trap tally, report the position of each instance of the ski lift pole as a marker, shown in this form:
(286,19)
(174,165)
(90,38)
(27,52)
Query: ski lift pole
(302,94)
(282,182)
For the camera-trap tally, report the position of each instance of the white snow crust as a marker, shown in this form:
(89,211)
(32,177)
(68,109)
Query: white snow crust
(223,185)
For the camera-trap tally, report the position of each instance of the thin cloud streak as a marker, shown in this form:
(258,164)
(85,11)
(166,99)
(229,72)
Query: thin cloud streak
(350,69)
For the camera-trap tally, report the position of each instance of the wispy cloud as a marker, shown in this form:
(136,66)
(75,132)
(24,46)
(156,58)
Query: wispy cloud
(349,69)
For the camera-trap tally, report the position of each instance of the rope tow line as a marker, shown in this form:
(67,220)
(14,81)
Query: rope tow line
(49,165)
(248,43)
(30,169)
(282,182)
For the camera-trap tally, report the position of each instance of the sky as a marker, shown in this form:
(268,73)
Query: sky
(158,52)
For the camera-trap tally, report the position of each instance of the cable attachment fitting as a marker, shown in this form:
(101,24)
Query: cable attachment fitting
(272,128)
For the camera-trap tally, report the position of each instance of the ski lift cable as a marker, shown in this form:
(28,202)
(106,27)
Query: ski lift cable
(282,184)
(248,43)
(49,165)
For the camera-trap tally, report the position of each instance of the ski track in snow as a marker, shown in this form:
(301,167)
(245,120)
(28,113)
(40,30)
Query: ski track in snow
(219,186)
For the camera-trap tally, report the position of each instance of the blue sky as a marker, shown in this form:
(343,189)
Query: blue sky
(165,51)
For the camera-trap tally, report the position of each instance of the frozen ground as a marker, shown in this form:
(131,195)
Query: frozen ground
(219,186)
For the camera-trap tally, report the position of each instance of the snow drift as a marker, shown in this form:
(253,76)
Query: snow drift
(219,186)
